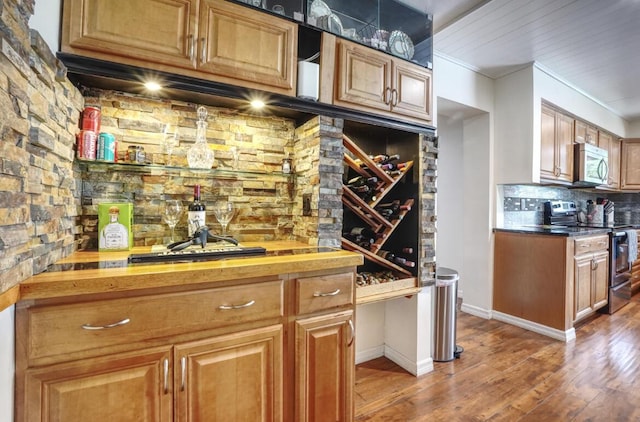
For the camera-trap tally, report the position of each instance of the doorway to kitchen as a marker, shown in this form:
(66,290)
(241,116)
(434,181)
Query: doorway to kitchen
(465,201)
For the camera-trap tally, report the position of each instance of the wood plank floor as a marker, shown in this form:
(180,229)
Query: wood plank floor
(510,374)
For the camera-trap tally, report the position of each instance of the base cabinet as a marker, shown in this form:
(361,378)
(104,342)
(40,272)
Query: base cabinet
(325,368)
(128,387)
(227,353)
(591,284)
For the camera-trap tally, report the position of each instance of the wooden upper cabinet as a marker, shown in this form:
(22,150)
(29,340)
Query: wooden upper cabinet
(369,80)
(556,146)
(630,168)
(608,142)
(585,133)
(238,43)
(158,31)
(207,39)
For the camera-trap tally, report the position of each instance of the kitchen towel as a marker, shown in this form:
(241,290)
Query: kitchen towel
(632,238)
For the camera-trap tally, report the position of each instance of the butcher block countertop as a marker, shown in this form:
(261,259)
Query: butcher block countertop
(92,272)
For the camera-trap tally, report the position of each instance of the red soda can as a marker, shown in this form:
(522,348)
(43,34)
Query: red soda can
(88,138)
(91,119)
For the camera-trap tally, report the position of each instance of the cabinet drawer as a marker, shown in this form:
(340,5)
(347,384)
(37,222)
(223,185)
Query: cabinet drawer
(324,292)
(61,329)
(591,244)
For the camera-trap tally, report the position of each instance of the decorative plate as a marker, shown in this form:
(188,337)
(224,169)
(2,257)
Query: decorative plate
(319,8)
(401,45)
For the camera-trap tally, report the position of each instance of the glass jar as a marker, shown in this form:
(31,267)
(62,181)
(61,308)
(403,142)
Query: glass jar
(200,155)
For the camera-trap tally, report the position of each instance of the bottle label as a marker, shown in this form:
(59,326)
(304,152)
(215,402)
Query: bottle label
(195,219)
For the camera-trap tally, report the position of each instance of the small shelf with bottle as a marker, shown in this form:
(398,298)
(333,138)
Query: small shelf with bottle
(368,201)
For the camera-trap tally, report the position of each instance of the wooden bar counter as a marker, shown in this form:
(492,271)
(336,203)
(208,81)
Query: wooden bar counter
(225,339)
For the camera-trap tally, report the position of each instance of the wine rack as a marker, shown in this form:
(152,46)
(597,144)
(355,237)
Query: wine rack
(365,210)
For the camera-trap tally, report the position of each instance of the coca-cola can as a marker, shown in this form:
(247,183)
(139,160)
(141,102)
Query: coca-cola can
(91,119)
(88,140)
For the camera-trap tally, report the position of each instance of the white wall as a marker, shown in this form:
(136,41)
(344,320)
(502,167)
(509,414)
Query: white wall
(465,199)
(46,20)
(7,363)
(634,130)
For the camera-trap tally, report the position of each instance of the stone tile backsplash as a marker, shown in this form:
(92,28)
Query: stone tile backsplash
(523,204)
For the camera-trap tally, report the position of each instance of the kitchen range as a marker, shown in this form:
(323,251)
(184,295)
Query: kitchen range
(621,238)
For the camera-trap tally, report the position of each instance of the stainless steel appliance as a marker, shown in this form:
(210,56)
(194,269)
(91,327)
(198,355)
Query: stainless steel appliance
(591,165)
(619,271)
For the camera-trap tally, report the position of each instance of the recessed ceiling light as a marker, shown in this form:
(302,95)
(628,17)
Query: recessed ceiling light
(152,86)
(257,104)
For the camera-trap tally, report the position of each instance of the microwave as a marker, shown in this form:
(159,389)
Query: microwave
(590,165)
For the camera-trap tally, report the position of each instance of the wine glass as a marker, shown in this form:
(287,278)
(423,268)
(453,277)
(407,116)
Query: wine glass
(223,210)
(171,213)
(170,141)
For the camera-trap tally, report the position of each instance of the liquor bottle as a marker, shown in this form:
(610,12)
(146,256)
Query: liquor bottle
(196,212)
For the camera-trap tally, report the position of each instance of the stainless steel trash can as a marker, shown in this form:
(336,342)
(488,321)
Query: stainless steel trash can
(445,297)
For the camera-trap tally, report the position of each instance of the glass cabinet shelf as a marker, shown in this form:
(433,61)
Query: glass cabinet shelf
(102,166)
(292,9)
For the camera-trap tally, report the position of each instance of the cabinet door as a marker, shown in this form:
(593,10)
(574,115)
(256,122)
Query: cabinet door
(600,285)
(235,377)
(363,78)
(325,368)
(564,147)
(241,44)
(158,31)
(411,94)
(612,145)
(582,286)
(548,144)
(126,387)
(630,171)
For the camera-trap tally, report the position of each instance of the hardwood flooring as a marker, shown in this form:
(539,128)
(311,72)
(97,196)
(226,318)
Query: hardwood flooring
(510,374)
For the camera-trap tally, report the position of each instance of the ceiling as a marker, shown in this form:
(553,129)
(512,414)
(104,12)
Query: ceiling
(591,44)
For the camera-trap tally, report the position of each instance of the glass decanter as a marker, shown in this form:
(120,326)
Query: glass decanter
(200,155)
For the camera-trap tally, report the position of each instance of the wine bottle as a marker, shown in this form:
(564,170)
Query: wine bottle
(407,250)
(196,214)
(363,231)
(359,240)
(390,158)
(390,256)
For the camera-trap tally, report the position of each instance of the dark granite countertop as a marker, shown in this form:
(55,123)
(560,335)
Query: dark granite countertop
(554,231)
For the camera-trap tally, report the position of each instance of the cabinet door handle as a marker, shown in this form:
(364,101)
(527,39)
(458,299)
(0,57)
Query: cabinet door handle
(231,307)
(166,376)
(394,97)
(104,327)
(353,333)
(594,264)
(191,46)
(183,372)
(203,50)
(386,96)
(320,294)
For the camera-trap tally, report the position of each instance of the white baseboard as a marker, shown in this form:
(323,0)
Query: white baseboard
(554,333)
(414,368)
(369,354)
(476,311)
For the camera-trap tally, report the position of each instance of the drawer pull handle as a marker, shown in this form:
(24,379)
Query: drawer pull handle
(353,333)
(183,372)
(231,307)
(333,293)
(104,327)
(166,376)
